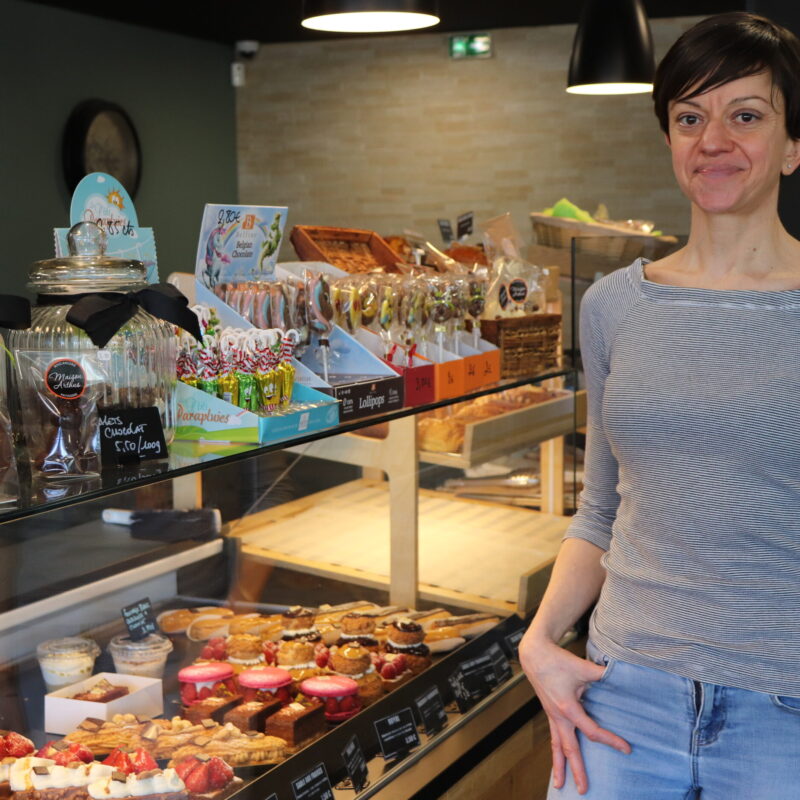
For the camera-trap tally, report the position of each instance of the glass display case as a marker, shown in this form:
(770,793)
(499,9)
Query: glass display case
(415,542)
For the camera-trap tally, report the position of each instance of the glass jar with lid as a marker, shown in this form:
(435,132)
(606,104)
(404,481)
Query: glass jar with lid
(65,380)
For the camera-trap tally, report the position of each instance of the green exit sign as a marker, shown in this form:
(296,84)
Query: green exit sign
(475,45)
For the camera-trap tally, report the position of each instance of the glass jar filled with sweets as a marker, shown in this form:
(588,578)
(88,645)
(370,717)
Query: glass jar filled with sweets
(91,351)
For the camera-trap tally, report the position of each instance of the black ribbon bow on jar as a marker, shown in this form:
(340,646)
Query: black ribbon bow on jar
(15,312)
(102,314)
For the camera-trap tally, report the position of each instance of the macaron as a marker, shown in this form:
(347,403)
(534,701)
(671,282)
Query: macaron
(262,681)
(205,673)
(339,694)
(265,678)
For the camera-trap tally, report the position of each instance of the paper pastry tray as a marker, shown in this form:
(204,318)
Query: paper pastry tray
(62,714)
(497,436)
(471,554)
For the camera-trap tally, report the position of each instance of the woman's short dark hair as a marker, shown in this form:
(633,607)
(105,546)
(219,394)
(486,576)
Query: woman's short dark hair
(724,48)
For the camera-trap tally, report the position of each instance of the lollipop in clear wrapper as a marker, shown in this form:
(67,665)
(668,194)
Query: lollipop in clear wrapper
(279,311)
(320,313)
(441,311)
(476,303)
(298,313)
(368,297)
(386,313)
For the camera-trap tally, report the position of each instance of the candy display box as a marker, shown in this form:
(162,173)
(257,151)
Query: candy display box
(62,714)
(481,363)
(204,417)
(418,380)
(448,370)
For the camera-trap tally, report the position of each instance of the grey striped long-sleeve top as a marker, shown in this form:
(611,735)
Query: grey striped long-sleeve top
(692,478)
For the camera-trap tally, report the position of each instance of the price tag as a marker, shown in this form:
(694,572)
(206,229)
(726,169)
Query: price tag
(464,224)
(431,709)
(314,785)
(446,229)
(513,640)
(502,669)
(355,764)
(472,681)
(131,435)
(139,619)
(397,734)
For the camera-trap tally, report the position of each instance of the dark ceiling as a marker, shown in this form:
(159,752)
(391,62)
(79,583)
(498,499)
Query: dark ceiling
(279,20)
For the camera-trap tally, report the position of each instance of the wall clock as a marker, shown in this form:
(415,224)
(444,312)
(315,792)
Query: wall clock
(100,137)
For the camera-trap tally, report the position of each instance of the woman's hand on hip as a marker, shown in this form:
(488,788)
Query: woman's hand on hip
(560,678)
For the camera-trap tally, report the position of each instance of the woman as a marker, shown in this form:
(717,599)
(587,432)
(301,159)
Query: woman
(689,527)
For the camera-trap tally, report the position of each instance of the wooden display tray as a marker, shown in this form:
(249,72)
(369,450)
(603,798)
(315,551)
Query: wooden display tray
(313,244)
(472,554)
(492,437)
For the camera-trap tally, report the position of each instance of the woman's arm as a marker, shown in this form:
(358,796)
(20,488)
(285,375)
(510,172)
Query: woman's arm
(558,676)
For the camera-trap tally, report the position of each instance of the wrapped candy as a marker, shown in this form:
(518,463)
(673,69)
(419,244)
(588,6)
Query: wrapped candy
(476,303)
(228,381)
(368,298)
(208,365)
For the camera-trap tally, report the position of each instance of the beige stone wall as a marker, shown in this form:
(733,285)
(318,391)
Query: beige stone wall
(390,133)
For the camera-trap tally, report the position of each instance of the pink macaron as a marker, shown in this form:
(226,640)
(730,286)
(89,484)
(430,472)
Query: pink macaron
(265,678)
(205,673)
(340,695)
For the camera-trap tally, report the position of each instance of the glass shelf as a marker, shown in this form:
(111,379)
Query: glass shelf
(190,457)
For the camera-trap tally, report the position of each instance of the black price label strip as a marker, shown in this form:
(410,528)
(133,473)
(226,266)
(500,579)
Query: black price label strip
(513,640)
(446,229)
(355,764)
(502,669)
(397,734)
(139,619)
(472,681)
(314,785)
(431,710)
(131,435)
(464,224)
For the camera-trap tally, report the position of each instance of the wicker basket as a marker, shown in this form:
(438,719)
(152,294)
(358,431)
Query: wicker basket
(349,249)
(528,345)
(604,240)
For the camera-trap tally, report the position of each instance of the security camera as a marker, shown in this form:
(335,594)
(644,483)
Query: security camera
(246,49)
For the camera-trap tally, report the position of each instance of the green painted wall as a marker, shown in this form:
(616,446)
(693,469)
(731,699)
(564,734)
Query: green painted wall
(177,91)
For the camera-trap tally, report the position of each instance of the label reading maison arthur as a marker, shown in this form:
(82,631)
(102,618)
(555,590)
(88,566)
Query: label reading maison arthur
(65,378)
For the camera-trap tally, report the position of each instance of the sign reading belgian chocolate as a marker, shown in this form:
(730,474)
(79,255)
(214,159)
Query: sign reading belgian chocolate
(139,620)
(314,785)
(431,710)
(502,669)
(472,681)
(513,640)
(130,435)
(464,224)
(355,764)
(397,734)
(65,378)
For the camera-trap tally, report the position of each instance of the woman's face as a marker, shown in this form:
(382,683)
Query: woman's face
(729,145)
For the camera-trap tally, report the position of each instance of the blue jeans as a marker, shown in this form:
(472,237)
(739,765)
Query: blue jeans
(689,740)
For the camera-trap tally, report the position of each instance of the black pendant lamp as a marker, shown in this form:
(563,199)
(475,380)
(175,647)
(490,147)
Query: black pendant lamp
(613,49)
(369,16)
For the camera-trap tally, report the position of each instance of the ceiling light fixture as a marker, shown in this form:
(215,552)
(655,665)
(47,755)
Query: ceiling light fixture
(369,16)
(613,49)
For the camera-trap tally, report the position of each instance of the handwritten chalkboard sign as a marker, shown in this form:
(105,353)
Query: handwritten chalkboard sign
(314,785)
(131,435)
(139,619)
(397,734)
(431,711)
(355,764)
(472,681)
(446,229)
(502,669)
(464,224)
(513,640)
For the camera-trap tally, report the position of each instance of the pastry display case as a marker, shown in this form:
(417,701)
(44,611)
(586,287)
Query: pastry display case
(407,603)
